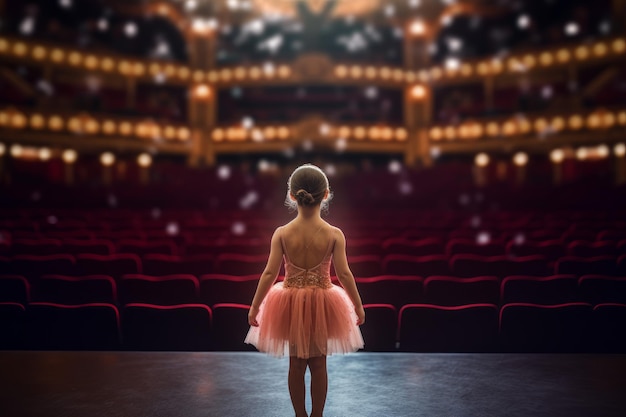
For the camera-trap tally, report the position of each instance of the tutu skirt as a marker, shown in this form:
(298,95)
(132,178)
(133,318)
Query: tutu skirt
(306,322)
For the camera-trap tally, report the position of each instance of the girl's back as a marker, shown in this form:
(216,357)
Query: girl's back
(306,244)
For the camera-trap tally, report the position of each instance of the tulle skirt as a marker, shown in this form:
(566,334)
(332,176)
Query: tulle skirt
(306,322)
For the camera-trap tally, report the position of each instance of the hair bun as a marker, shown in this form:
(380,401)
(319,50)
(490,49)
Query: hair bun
(304,197)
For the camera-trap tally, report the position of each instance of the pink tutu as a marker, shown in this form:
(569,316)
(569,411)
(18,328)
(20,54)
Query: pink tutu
(306,322)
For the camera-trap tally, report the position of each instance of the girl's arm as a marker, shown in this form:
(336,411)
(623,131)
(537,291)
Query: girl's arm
(268,277)
(345,275)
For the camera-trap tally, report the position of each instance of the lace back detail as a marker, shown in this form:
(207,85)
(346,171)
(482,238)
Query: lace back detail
(317,276)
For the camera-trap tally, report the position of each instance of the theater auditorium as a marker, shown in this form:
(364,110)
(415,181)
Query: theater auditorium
(476,155)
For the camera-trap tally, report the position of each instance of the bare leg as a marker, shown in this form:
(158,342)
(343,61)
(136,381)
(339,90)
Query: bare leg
(297,368)
(319,384)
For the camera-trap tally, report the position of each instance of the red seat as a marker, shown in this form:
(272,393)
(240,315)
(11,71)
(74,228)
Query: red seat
(597,265)
(72,290)
(599,289)
(41,246)
(380,327)
(500,266)
(431,328)
(455,291)
(554,289)
(470,246)
(362,266)
(421,247)
(589,249)
(14,289)
(92,326)
(236,264)
(230,326)
(158,265)
(97,247)
(12,325)
(219,288)
(365,246)
(609,322)
(526,327)
(34,266)
(416,265)
(142,247)
(550,249)
(114,265)
(162,290)
(390,289)
(183,327)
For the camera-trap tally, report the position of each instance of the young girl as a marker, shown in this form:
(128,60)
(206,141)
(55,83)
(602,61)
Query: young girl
(306,316)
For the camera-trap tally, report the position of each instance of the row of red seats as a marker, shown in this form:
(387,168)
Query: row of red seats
(551,249)
(516,327)
(395,290)
(243,230)
(116,265)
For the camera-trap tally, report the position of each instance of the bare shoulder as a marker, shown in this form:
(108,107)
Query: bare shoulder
(336,232)
(278,231)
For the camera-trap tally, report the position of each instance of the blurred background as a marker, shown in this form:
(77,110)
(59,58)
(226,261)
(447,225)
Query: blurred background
(156,137)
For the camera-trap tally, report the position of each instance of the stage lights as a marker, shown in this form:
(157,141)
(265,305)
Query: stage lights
(284,71)
(493,129)
(144,160)
(92,126)
(436,133)
(107,159)
(576,122)
(341,71)
(619,150)
(39,52)
(16,151)
(75,58)
(18,120)
(198,75)
(481,160)
(359,132)
(401,134)
(520,159)
(546,58)
(20,49)
(240,73)
(600,49)
(619,46)
(57,55)
(183,134)
(557,156)
(449,133)
(582,53)
(37,121)
(509,128)
(563,55)
(126,128)
(418,92)
(44,154)
(283,132)
(109,127)
(218,135)
(356,71)
(417,28)
(202,92)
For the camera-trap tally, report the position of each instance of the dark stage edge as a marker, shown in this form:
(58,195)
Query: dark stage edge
(190,384)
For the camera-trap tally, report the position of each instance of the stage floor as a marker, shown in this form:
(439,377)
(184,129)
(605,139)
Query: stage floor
(242,384)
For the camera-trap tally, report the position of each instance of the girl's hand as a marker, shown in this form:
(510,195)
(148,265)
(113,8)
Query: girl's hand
(360,313)
(254,311)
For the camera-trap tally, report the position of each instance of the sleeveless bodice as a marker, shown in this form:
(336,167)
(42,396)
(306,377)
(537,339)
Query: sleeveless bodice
(317,276)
